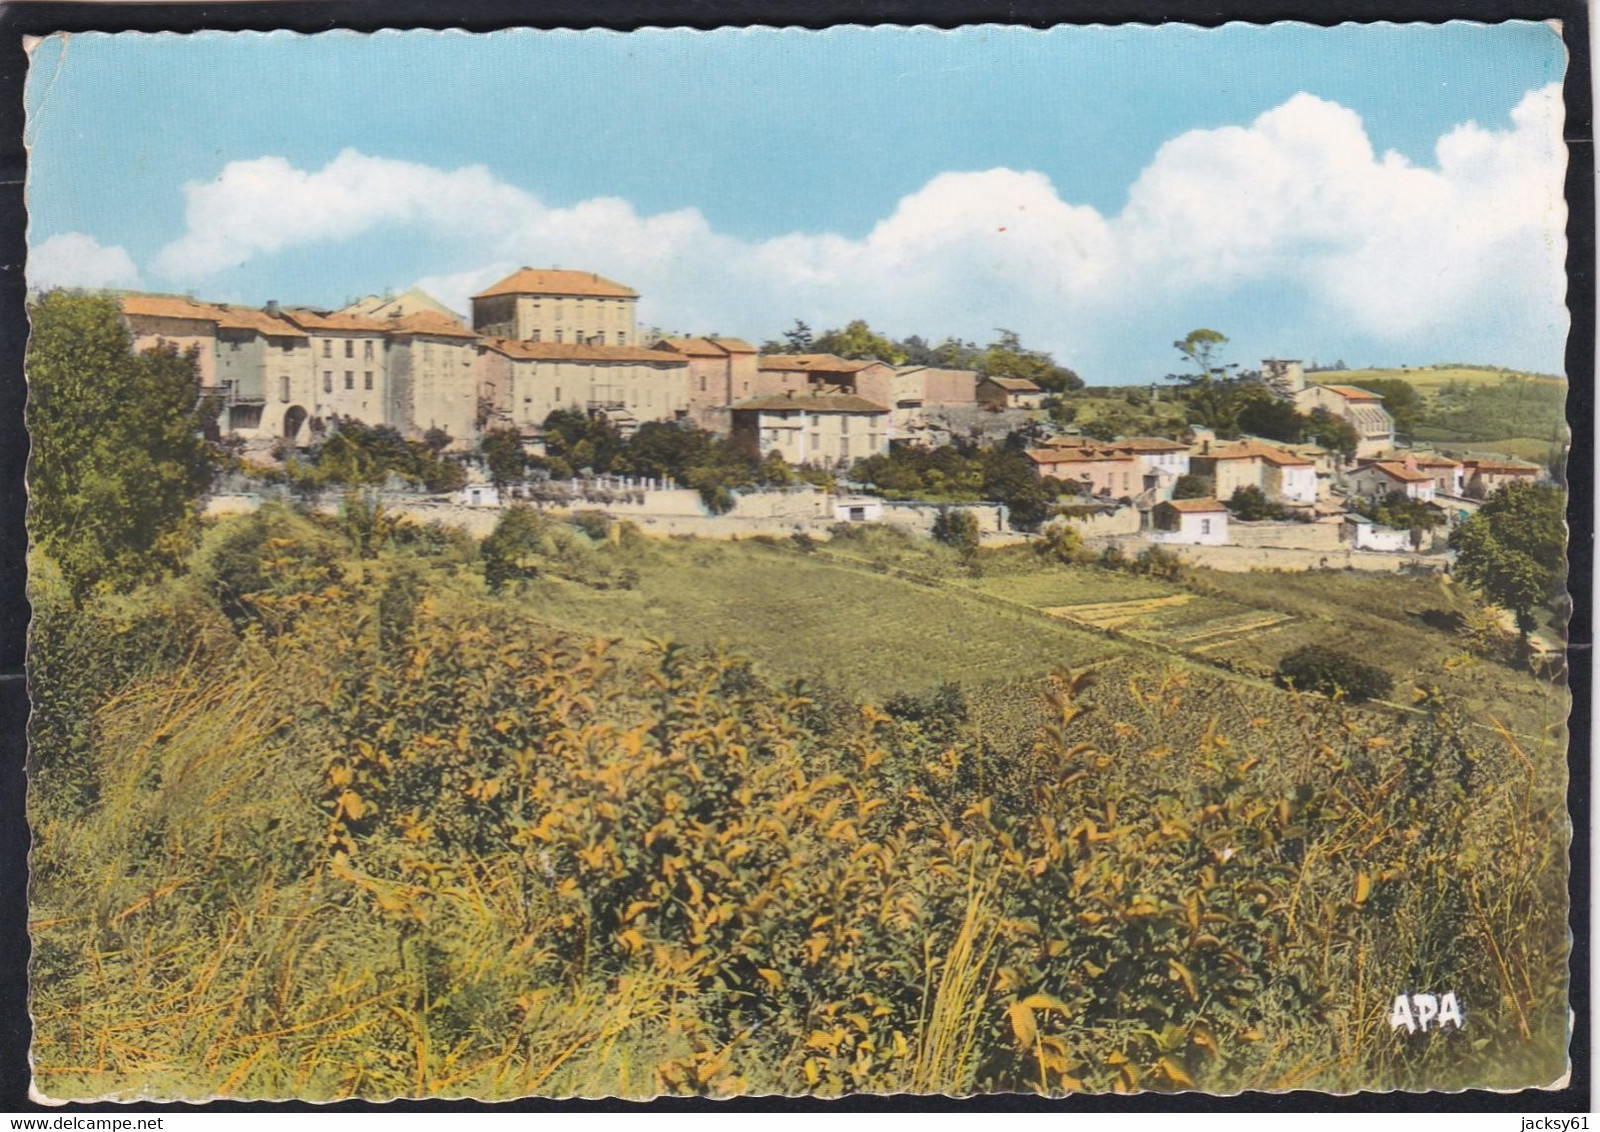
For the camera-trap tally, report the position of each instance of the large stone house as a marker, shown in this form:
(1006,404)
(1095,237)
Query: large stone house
(1094,471)
(783,374)
(1382,478)
(1361,409)
(264,370)
(562,307)
(433,378)
(823,430)
(1484,477)
(721,371)
(156,320)
(917,390)
(525,382)
(1279,474)
(350,361)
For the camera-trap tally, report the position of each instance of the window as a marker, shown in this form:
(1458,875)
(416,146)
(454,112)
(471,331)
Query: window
(558,336)
(283,388)
(349,347)
(557,397)
(367,355)
(327,347)
(702,377)
(535,337)
(327,381)
(622,339)
(349,380)
(816,440)
(844,448)
(366,380)
(1205,526)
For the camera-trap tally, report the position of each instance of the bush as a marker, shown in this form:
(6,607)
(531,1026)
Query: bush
(1062,542)
(512,550)
(1314,668)
(595,524)
(958,529)
(1192,486)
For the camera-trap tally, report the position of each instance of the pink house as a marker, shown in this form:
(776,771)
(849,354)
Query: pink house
(1096,471)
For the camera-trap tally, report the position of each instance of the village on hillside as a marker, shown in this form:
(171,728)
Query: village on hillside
(549,344)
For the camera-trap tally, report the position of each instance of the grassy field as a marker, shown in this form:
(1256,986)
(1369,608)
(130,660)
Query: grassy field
(1429,379)
(823,617)
(880,614)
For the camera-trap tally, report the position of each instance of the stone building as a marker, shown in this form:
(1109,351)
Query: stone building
(823,430)
(1361,409)
(1280,474)
(350,361)
(561,307)
(628,385)
(721,371)
(156,320)
(433,378)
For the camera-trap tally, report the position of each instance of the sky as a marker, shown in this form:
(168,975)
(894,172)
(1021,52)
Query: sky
(1381,194)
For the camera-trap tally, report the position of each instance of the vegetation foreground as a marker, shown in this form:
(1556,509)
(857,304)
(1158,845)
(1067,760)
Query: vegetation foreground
(325,815)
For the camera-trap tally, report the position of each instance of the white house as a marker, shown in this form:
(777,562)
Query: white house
(1366,535)
(1193,522)
(858,509)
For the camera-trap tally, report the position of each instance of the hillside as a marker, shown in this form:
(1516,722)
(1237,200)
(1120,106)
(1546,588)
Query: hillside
(1433,378)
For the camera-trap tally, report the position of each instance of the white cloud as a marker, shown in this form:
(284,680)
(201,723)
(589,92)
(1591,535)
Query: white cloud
(72,259)
(1418,257)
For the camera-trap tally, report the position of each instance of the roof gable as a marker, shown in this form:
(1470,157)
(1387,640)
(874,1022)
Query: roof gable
(554,281)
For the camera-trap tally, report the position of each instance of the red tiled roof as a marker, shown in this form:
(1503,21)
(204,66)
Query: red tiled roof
(1149,444)
(1192,506)
(168,306)
(552,281)
(1014,384)
(1400,472)
(1253,451)
(307,319)
(248,318)
(734,345)
(1352,393)
(693,347)
(1503,467)
(1077,456)
(825,403)
(429,322)
(581,352)
(809,363)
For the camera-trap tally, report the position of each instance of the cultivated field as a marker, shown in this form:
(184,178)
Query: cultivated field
(1430,379)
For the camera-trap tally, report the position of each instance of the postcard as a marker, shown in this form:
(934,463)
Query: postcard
(807,563)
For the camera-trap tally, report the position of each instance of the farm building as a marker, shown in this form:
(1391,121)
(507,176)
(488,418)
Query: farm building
(1193,522)
(1009,393)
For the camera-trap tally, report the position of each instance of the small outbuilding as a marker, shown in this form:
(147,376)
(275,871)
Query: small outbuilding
(1192,522)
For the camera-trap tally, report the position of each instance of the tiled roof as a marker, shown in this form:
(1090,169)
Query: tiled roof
(580,352)
(1149,444)
(693,347)
(1437,462)
(1351,393)
(1400,472)
(552,281)
(809,363)
(168,306)
(248,318)
(1252,451)
(1193,506)
(429,322)
(826,403)
(307,319)
(1077,456)
(1014,384)
(734,345)
(1503,467)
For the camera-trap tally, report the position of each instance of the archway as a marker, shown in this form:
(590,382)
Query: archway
(294,422)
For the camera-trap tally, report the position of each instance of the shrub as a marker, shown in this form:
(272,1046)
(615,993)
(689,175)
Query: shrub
(1061,542)
(512,550)
(1193,486)
(595,524)
(1315,668)
(958,529)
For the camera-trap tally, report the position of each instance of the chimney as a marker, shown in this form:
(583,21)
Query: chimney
(272,307)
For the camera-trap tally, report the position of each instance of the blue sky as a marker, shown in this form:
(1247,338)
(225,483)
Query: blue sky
(1160,179)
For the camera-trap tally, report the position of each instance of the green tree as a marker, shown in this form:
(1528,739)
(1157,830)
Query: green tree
(1316,668)
(1191,485)
(513,549)
(502,451)
(959,529)
(1210,397)
(1325,430)
(1514,550)
(1007,357)
(858,340)
(118,460)
(1250,504)
(1262,414)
